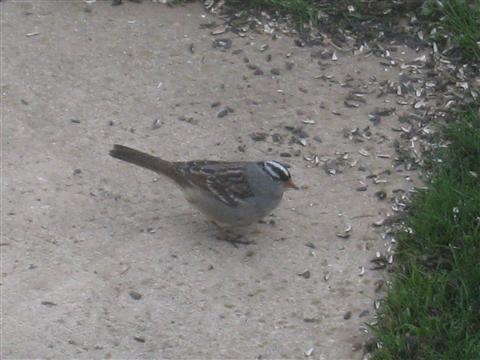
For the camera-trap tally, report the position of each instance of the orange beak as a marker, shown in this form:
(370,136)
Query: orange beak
(291,185)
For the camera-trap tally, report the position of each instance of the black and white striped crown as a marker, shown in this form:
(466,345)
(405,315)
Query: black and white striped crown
(276,170)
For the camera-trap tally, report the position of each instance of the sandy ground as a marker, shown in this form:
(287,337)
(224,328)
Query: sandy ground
(101,259)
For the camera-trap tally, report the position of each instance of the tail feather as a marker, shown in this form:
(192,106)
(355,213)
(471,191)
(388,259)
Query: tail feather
(142,159)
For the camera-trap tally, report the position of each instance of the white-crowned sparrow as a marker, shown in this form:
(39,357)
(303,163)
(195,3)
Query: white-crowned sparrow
(230,194)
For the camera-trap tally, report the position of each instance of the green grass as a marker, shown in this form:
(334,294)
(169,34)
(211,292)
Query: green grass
(432,310)
(461,19)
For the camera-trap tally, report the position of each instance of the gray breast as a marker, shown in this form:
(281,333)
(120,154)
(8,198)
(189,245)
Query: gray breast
(267,194)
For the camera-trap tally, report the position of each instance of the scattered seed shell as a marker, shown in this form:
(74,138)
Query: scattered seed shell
(157,123)
(263,47)
(344,235)
(379,284)
(309,352)
(364,152)
(390,259)
(219,30)
(259,136)
(222,113)
(362,271)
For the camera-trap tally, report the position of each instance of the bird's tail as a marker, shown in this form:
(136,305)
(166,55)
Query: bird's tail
(142,159)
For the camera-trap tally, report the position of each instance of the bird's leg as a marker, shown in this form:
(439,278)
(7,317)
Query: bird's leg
(225,235)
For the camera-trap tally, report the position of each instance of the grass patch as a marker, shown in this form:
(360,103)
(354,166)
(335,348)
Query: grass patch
(461,19)
(432,310)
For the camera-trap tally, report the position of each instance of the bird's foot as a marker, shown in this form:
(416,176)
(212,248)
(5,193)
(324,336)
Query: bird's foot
(228,236)
(238,239)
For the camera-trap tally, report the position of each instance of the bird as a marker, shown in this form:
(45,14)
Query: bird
(231,194)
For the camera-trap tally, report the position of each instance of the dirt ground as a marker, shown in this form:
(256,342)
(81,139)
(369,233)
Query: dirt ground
(101,259)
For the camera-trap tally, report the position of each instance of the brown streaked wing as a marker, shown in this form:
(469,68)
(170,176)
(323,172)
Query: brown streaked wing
(223,179)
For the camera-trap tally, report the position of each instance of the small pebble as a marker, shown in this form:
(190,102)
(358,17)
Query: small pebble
(48,303)
(222,113)
(277,138)
(299,42)
(135,295)
(347,315)
(275,71)
(305,274)
(289,65)
(381,194)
